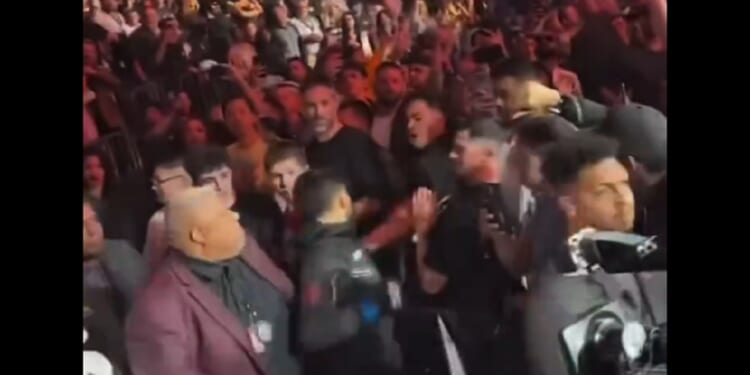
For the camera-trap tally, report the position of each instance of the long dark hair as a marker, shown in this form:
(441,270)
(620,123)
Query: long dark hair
(96,151)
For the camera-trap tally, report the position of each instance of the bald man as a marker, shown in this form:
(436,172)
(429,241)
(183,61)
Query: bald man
(216,305)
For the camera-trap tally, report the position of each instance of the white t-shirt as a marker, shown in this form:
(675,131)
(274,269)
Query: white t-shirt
(305,28)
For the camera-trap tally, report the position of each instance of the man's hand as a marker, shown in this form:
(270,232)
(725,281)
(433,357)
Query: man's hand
(533,97)
(424,210)
(503,244)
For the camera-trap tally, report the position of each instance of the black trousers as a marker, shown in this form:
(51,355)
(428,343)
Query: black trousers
(487,345)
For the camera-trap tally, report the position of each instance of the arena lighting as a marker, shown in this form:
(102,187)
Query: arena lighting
(611,339)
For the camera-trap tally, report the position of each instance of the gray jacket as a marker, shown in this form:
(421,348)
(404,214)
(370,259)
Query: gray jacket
(125,268)
(556,301)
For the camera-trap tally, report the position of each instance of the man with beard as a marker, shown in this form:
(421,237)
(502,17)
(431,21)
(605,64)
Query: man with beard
(347,152)
(112,273)
(390,88)
(212,307)
(593,190)
(429,167)
(461,266)
(344,326)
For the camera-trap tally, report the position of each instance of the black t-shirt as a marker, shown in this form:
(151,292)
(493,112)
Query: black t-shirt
(261,216)
(477,282)
(353,157)
(432,168)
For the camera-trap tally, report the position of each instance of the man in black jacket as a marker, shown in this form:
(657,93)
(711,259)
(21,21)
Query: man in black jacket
(344,326)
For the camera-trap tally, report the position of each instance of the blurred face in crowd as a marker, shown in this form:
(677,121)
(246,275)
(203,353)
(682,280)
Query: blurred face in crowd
(221,180)
(425,123)
(90,54)
(281,12)
(332,65)
(353,83)
(151,17)
(284,175)
(154,115)
(419,76)
(242,121)
(242,57)
(93,171)
(194,133)
(390,86)
(133,18)
(469,156)
(290,98)
(183,104)
(93,234)
(303,5)
(601,198)
(298,71)
(353,118)
(321,107)
(526,48)
(168,181)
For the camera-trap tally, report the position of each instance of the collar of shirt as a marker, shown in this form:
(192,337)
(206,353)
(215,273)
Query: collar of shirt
(209,271)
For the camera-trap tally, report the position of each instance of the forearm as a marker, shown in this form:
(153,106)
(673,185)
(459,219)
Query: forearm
(658,14)
(395,228)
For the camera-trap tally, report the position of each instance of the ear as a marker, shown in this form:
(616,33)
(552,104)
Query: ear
(567,205)
(197,237)
(630,164)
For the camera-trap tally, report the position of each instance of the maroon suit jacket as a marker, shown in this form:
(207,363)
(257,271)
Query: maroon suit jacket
(178,326)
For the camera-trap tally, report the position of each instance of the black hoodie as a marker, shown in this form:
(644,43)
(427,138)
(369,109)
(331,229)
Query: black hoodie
(343,301)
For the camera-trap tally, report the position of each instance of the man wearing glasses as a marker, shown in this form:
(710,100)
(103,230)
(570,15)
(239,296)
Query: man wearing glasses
(168,179)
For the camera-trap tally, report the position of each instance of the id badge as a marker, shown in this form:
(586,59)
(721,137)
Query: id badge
(264,331)
(258,345)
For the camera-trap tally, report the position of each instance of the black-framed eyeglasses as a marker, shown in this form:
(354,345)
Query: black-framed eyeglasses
(155,182)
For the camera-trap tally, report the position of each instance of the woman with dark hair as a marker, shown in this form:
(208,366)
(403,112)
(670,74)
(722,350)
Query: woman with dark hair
(96,174)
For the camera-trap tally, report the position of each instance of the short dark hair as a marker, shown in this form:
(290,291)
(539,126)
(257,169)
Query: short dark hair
(565,159)
(284,150)
(168,157)
(200,160)
(520,69)
(358,106)
(233,98)
(314,193)
(355,66)
(317,83)
(430,100)
(537,132)
(388,65)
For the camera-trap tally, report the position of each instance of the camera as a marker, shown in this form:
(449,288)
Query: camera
(611,341)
